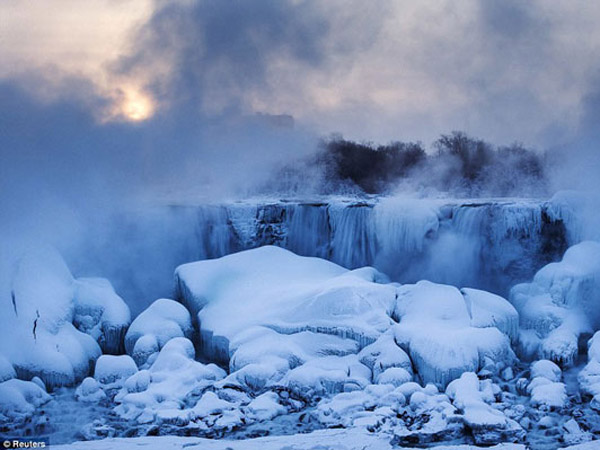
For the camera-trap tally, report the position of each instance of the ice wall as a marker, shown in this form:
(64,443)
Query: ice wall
(485,244)
(490,245)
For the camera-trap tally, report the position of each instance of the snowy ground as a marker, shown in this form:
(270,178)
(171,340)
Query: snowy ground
(318,440)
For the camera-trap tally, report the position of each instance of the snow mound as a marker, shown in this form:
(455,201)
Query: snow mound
(162,321)
(61,324)
(89,391)
(280,319)
(49,345)
(589,377)
(327,375)
(272,287)
(545,388)
(19,399)
(169,389)
(437,330)
(101,313)
(6,369)
(560,304)
(488,425)
(384,354)
(112,371)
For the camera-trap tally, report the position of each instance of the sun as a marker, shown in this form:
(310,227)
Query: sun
(136,106)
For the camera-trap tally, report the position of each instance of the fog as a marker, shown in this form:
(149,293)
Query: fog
(95,186)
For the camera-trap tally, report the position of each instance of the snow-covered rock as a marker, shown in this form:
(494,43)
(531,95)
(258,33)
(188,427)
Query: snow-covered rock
(560,304)
(545,388)
(43,341)
(436,329)
(384,354)
(265,407)
(589,377)
(6,369)
(112,371)
(263,310)
(60,325)
(89,391)
(101,313)
(273,287)
(487,424)
(162,321)
(166,391)
(19,399)
(280,319)
(327,375)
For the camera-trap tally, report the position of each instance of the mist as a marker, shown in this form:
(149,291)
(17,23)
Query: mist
(86,179)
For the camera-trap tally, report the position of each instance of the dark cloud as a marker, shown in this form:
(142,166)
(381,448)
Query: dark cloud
(221,49)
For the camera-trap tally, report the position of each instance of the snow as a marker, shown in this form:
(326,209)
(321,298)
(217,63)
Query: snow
(326,375)
(384,354)
(546,369)
(589,377)
(101,313)
(162,321)
(61,324)
(435,329)
(111,371)
(560,304)
(545,388)
(19,399)
(89,391)
(238,297)
(490,310)
(265,407)
(165,391)
(318,440)
(6,369)
(487,424)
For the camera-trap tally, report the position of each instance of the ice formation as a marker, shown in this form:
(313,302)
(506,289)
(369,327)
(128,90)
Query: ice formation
(560,305)
(162,321)
(101,313)
(273,288)
(488,425)
(19,399)
(61,324)
(446,332)
(169,389)
(589,377)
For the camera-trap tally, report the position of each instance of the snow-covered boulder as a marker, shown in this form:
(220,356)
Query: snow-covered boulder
(89,391)
(265,407)
(165,391)
(112,371)
(19,399)
(488,425)
(384,354)
(272,287)
(267,313)
(437,329)
(545,388)
(560,304)
(101,313)
(162,321)
(280,319)
(589,377)
(327,375)
(43,341)
(6,369)
(59,325)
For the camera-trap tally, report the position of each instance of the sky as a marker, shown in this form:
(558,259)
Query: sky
(503,70)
